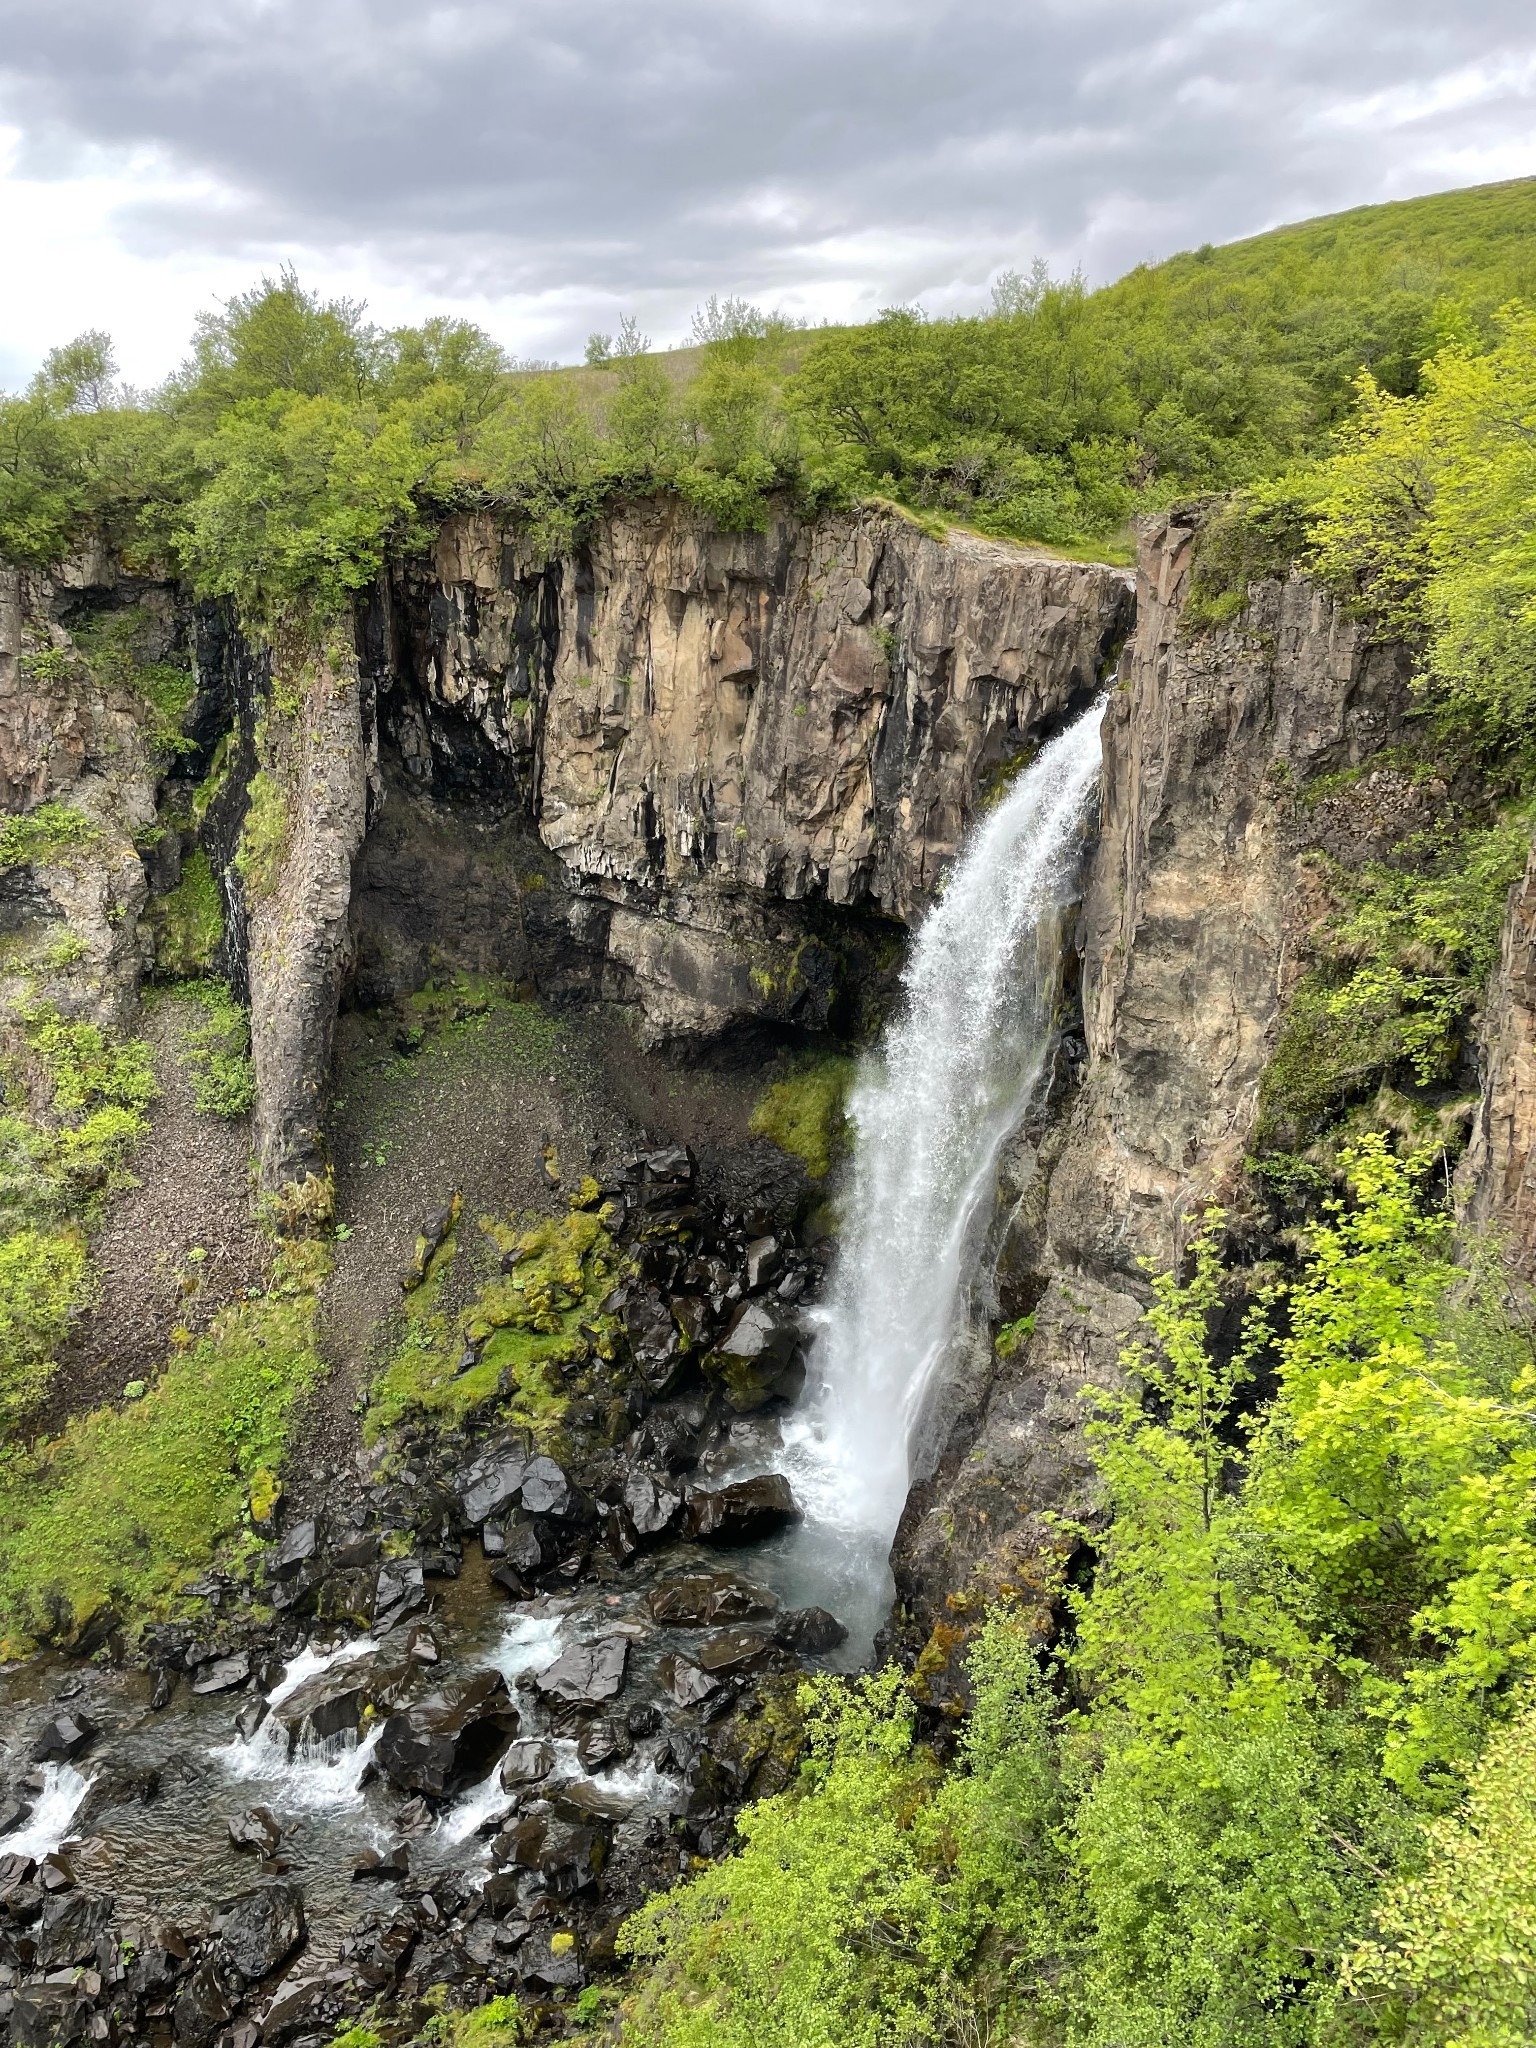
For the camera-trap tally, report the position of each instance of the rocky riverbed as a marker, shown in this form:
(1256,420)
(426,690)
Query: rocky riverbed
(457,1723)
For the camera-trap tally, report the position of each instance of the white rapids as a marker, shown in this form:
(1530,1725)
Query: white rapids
(931,1113)
(56,1805)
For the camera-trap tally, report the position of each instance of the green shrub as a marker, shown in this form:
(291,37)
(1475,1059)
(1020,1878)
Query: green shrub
(804,1114)
(42,1282)
(45,837)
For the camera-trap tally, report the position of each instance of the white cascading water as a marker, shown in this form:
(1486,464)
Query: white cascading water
(930,1115)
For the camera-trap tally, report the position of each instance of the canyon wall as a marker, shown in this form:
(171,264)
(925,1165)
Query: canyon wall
(1197,901)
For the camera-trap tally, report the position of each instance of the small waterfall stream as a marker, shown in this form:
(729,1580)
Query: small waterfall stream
(931,1114)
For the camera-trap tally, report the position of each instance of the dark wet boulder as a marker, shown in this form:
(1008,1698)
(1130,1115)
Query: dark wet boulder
(733,1650)
(205,2003)
(46,2015)
(398,1591)
(69,1927)
(703,1599)
(652,1508)
(529,1549)
(758,1356)
(686,1682)
(493,1482)
(809,1631)
(222,1674)
(257,1829)
(261,1928)
(743,1512)
(383,1865)
(587,1674)
(297,2003)
(334,1702)
(602,1744)
(656,1346)
(566,1855)
(66,1736)
(526,1763)
(450,1738)
(15,1808)
(764,1257)
(620,1537)
(297,1547)
(550,1958)
(546,1490)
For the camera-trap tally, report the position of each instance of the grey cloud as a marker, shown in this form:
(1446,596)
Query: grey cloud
(576,156)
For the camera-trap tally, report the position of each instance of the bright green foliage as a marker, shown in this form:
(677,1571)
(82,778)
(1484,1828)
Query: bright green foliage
(44,837)
(216,1046)
(56,1163)
(498,2023)
(1301,1623)
(121,1508)
(1455,1956)
(1427,511)
(188,922)
(524,1326)
(804,1114)
(1401,970)
(118,646)
(42,1280)
(264,835)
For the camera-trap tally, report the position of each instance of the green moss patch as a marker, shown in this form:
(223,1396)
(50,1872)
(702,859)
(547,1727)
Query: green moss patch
(116,645)
(805,1113)
(188,923)
(57,1163)
(520,1333)
(117,1511)
(264,835)
(45,837)
(216,1050)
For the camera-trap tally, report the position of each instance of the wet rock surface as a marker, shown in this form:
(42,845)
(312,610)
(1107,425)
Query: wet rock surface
(506,1691)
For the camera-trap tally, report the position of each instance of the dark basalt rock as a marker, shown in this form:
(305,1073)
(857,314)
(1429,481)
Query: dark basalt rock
(261,1928)
(525,1763)
(70,1925)
(547,1491)
(808,1631)
(205,2003)
(66,1736)
(256,1829)
(651,1507)
(756,1359)
(743,1512)
(333,1702)
(566,1856)
(733,1650)
(605,1742)
(296,1548)
(394,1862)
(222,1674)
(492,1482)
(450,1738)
(687,1684)
(703,1599)
(399,1591)
(587,1673)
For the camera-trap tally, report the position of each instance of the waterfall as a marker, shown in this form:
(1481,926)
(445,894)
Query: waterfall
(931,1113)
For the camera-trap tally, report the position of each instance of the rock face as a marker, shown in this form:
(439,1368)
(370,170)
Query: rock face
(310,812)
(724,738)
(1195,910)
(1498,1175)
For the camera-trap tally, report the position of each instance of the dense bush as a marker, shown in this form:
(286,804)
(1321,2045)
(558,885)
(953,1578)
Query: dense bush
(1235,1811)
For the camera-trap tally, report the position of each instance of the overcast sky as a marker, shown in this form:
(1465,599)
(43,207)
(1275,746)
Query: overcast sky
(543,165)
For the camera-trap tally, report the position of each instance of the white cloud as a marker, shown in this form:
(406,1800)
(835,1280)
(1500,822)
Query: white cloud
(541,168)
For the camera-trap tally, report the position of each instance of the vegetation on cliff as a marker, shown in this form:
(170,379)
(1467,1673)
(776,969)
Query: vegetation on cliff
(1243,1801)
(299,444)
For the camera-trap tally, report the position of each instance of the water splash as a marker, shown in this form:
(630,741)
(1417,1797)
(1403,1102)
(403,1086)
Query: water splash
(319,1776)
(309,1663)
(47,1825)
(931,1115)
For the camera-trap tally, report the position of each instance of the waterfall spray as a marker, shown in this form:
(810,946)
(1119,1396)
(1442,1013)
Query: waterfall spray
(931,1115)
